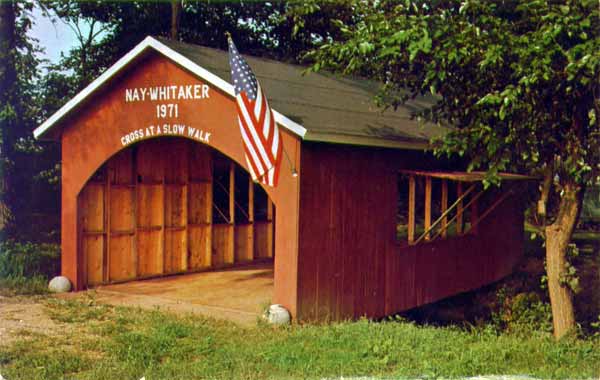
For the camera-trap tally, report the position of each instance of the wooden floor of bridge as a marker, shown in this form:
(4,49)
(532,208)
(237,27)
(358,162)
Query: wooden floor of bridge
(238,294)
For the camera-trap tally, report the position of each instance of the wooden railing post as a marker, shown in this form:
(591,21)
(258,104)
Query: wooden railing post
(444,207)
(474,217)
(459,210)
(251,228)
(411,209)
(230,254)
(427,206)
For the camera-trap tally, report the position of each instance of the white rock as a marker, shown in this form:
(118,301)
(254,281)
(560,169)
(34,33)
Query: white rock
(59,284)
(278,315)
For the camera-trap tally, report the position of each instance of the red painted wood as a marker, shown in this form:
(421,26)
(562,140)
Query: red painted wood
(92,135)
(335,250)
(350,264)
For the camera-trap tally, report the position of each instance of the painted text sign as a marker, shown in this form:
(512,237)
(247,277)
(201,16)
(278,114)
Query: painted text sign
(166,99)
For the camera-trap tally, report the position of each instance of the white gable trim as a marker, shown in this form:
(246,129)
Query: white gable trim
(181,60)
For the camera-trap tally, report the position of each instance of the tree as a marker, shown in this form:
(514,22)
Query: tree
(8,81)
(263,29)
(18,115)
(519,82)
(175,18)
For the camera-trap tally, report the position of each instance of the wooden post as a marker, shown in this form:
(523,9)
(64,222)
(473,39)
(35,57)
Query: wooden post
(164,220)
(444,207)
(459,210)
(231,193)
(411,209)
(209,211)
(186,211)
(81,252)
(250,200)
(251,218)
(230,253)
(134,196)
(106,251)
(427,206)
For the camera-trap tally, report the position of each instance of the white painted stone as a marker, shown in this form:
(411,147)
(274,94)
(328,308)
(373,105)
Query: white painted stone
(59,284)
(278,315)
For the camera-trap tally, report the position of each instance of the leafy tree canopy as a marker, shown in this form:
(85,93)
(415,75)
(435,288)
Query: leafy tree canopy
(517,79)
(263,29)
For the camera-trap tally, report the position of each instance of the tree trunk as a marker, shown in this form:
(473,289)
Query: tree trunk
(175,17)
(558,237)
(8,80)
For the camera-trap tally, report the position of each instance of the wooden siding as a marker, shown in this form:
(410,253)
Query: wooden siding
(96,133)
(148,212)
(349,262)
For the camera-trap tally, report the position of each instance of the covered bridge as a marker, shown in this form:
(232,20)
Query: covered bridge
(363,222)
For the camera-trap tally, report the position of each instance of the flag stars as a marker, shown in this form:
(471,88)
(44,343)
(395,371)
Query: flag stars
(242,76)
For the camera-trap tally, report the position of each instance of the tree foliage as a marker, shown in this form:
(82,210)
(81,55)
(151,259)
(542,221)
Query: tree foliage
(266,29)
(518,79)
(20,114)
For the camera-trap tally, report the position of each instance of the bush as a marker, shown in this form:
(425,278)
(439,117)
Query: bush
(25,268)
(522,313)
(29,259)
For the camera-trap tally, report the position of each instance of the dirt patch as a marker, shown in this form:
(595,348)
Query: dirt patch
(23,316)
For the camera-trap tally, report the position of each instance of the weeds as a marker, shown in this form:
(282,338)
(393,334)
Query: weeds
(12,285)
(25,268)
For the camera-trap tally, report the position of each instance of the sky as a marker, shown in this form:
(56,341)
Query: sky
(54,37)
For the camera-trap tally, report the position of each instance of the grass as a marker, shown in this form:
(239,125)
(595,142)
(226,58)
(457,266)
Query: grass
(25,267)
(104,342)
(20,285)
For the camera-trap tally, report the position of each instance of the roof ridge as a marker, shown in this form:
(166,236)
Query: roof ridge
(325,73)
(328,107)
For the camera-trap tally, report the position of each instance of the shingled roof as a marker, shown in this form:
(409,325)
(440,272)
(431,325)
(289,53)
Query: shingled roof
(330,108)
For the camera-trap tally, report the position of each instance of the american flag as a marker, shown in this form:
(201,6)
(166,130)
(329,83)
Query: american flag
(261,137)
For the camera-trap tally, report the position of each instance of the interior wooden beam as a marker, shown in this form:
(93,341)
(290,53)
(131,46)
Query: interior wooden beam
(136,258)
(251,218)
(230,253)
(250,200)
(411,208)
(186,204)
(427,222)
(444,207)
(163,229)
(459,209)
(209,212)
(106,248)
(231,193)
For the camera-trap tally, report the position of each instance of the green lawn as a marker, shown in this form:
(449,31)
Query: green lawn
(103,342)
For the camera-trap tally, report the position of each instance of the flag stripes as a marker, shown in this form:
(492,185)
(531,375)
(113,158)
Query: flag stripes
(260,135)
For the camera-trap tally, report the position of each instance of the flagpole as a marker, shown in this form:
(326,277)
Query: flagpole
(246,84)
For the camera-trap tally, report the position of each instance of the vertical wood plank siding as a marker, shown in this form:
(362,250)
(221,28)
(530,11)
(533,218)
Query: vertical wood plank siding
(334,225)
(99,130)
(350,264)
(139,220)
